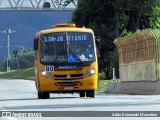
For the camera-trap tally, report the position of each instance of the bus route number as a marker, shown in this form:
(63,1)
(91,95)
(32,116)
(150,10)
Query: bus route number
(49,68)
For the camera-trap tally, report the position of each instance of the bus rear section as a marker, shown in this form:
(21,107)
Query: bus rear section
(65,61)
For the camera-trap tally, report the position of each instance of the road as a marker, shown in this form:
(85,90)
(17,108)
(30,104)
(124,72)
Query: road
(21,95)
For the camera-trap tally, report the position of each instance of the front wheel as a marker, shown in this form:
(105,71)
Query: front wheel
(82,94)
(90,93)
(43,95)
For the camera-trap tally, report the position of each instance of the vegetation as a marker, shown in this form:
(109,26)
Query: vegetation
(114,18)
(102,86)
(19,74)
(157,33)
(23,59)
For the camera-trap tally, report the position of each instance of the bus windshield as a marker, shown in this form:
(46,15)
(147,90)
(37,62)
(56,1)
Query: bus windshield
(67,47)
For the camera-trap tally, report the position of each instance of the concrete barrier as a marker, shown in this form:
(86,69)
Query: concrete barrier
(139,64)
(135,87)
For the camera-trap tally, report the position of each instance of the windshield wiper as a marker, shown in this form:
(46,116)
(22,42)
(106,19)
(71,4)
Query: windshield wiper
(60,52)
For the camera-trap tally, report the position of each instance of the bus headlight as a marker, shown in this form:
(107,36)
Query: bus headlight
(91,72)
(46,74)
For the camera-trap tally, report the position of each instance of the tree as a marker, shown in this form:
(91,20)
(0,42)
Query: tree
(113,18)
(25,60)
(99,16)
(138,14)
(110,18)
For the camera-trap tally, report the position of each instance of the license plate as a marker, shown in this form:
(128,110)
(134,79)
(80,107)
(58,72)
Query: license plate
(68,80)
(68,88)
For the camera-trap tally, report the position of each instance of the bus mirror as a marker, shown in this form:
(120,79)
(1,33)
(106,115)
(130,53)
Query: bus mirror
(98,54)
(98,45)
(98,42)
(35,44)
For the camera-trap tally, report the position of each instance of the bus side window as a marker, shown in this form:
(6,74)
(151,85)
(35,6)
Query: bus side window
(36,44)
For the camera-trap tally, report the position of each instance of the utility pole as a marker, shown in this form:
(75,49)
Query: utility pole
(8,32)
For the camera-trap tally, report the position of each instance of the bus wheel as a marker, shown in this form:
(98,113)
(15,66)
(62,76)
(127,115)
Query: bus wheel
(90,93)
(82,94)
(43,95)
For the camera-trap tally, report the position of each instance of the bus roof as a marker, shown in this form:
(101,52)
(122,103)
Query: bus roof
(65,28)
(64,25)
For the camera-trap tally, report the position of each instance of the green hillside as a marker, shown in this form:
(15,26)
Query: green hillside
(27,73)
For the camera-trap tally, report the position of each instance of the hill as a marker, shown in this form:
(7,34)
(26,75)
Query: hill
(26,24)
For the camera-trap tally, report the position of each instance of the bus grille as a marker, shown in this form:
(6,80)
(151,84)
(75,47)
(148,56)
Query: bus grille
(68,83)
(72,76)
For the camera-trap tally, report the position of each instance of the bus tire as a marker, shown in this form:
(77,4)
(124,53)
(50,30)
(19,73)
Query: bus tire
(90,93)
(43,95)
(82,93)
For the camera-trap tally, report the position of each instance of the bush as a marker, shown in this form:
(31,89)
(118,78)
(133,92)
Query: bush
(25,59)
(102,75)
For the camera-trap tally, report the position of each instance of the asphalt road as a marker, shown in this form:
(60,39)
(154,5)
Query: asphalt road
(21,96)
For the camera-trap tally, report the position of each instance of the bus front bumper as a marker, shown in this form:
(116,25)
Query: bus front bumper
(69,85)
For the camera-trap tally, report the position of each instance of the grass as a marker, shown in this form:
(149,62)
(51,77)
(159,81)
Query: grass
(28,74)
(102,86)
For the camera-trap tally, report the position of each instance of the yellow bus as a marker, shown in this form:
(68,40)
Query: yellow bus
(65,61)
